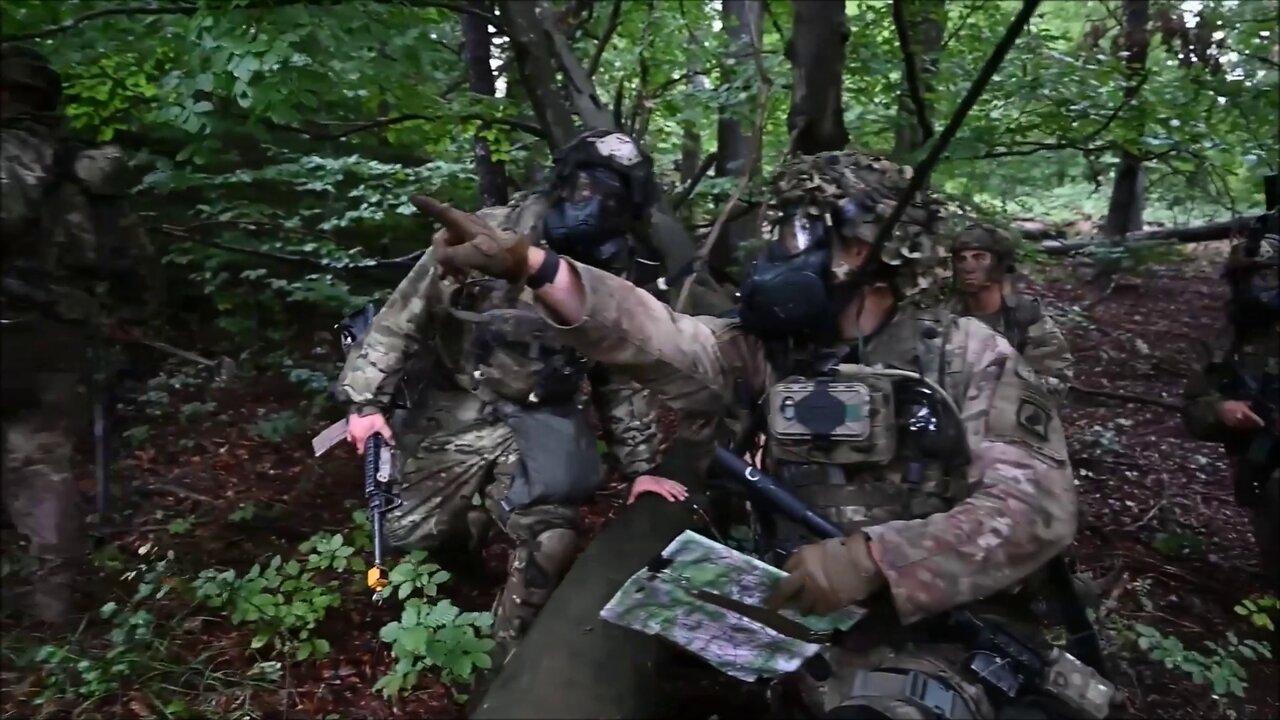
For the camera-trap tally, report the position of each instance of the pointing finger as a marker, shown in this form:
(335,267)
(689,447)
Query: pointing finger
(460,226)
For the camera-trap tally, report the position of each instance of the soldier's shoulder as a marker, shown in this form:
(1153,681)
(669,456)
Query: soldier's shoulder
(27,145)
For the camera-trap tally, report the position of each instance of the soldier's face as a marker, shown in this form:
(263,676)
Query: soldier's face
(973,270)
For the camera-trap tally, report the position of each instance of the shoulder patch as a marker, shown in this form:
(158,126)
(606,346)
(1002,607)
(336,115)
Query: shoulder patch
(1034,417)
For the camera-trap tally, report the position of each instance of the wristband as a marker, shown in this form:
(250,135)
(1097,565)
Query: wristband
(546,272)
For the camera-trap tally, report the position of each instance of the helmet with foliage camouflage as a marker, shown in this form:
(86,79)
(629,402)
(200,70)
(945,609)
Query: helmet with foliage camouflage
(616,151)
(27,68)
(854,192)
(985,236)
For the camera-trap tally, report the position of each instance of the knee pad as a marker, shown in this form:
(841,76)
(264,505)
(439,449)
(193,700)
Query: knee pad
(549,555)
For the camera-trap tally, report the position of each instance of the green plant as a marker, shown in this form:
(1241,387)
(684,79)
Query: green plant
(1259,610)
(431,634)
(282,601)
(1219,667)
(277,427)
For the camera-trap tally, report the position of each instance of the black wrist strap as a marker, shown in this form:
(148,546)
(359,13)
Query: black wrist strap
(546,272)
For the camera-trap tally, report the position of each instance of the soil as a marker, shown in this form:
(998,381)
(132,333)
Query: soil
(1160,533)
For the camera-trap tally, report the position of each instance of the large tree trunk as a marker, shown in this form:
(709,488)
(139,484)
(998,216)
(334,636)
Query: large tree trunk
(737,149)
(491,176)
(532,51)
(572,664)
(1128,194)
(926,23)
(817,54)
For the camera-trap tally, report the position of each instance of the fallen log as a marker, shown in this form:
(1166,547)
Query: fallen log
(572,664)
(1200,233)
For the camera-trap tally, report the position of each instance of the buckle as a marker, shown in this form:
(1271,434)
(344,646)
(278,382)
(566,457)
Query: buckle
(931,693)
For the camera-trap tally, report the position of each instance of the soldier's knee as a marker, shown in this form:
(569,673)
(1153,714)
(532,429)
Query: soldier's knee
(549,555)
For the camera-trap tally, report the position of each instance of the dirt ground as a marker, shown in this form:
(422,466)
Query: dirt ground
(1160,532)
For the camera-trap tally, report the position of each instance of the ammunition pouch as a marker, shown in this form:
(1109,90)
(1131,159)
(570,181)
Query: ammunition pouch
(516,359)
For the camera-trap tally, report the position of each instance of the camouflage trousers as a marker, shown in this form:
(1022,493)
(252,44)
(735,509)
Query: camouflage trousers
(40,493)
(455,465)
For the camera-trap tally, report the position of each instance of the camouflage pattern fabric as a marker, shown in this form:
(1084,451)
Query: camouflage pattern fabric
(661,602)
(1011,510)
(54,257)
(1044,347)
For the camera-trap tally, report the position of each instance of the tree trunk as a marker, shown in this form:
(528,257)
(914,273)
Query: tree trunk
(491,176)
(572,664)
(1128,194)
(532,52)
(925,27)
(737,149)
(817,54)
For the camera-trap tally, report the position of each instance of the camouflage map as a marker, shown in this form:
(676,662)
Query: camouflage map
(661,601)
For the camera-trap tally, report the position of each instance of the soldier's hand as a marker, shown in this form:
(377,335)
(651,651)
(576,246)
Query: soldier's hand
(669,489)
(466,242)
(360,428)
(1237,414)
(827,576)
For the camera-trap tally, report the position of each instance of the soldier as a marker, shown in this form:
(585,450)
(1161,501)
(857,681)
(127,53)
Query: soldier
(504,424)
(983,256)
(959,507)
(65,230)
(1234,399)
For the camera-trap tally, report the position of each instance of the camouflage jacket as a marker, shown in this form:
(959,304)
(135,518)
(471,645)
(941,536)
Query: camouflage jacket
(1018,508)
(65,229)
(1255,354)
(420,317)
(1032,333)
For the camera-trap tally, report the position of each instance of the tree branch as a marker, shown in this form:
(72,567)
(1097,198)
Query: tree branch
(1127,397)
(694,180)
(94,15)
(910,71)
(359,127)
(182,233)
(611,26)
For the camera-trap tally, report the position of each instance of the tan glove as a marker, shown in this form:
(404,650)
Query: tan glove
(827,576)
(468,243)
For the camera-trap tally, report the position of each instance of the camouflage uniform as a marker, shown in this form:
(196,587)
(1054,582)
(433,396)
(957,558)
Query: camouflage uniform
(1020,319)
(469,443)
(64,229)
(960,534)
(1244,364)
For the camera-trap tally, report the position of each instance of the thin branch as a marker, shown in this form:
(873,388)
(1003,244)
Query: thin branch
(955,29)
(611,26)
(182,233)
(687,192)
(777,26)
(94,15)
(521,125)
(910,72)
(1127,397)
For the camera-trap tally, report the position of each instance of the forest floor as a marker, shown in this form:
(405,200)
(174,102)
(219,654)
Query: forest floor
(1160,534)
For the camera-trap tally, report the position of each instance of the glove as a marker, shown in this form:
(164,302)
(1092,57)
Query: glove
(827,576)
(468,243)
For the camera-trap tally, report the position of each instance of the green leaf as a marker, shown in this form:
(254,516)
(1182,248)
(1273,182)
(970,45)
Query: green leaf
(259,640)
(107,610)
(413,639)
(322,646)
(203,106)
(304,650)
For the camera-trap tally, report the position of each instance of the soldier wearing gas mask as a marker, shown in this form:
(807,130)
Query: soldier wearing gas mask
(924,435)
(1235,398)
(983,259)
(490,403)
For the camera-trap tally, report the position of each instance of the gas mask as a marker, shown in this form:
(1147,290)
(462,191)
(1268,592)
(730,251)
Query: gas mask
(792,290)
(591,220)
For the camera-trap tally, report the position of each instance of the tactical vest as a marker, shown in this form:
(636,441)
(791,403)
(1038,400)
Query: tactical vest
(851,440)
(498,346)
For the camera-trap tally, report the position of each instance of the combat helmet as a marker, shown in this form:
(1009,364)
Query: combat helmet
(24,66)
(846,188)
(616,151)
(990,238)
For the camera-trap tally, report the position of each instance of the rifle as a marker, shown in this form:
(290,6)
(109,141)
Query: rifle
(1004,664)
(380,496)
